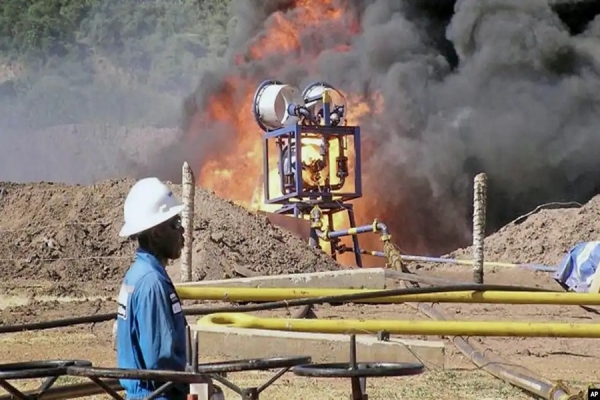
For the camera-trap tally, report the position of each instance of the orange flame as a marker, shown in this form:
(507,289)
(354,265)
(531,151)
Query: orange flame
(236,173)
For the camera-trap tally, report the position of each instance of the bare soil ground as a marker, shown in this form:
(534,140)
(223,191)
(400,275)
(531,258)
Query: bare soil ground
(447,385)
(50,268)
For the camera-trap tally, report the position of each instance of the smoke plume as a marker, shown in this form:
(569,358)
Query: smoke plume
(521,105)
(501,87)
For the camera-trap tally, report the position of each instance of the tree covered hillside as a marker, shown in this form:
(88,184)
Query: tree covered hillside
(117,61)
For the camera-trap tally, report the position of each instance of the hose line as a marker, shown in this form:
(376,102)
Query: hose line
(483,358)
(347,298)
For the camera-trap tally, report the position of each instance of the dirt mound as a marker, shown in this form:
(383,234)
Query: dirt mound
(229,240)
(59,232)
(62,233)
(542,237)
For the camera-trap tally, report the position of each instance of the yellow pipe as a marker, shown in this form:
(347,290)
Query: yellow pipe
(434,328)
(488,297)
(528,382)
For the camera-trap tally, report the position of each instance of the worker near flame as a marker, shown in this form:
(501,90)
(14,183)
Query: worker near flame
(150,327)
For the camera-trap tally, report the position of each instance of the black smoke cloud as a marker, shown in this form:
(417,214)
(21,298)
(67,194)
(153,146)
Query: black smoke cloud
(521,104)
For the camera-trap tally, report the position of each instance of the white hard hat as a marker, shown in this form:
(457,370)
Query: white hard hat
(148,204)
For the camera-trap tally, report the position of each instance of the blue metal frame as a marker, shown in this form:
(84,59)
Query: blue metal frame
(298,201)
(296,133)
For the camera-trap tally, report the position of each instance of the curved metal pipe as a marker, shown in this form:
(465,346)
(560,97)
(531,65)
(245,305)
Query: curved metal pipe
(409,327)
(73,391)
(381,228)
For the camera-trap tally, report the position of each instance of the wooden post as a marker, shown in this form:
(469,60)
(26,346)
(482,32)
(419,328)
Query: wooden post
(187,220)
(479,216)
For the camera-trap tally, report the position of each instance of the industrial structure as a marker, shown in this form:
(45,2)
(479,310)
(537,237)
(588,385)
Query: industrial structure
(317,157)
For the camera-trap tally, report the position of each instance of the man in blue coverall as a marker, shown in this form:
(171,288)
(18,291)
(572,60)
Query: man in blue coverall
(150,327)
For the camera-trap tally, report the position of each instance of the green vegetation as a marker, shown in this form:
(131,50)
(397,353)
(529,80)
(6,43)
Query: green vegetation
(118,61)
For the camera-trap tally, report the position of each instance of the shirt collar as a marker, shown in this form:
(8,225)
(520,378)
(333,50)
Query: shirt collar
(152,261)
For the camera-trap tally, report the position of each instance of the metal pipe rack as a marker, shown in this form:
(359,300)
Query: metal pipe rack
(106,380)
(358,372)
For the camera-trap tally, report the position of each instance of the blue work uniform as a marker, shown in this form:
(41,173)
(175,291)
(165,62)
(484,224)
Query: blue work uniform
(150,326)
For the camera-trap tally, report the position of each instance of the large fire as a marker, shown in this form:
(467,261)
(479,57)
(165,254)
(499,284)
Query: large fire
(236,173)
